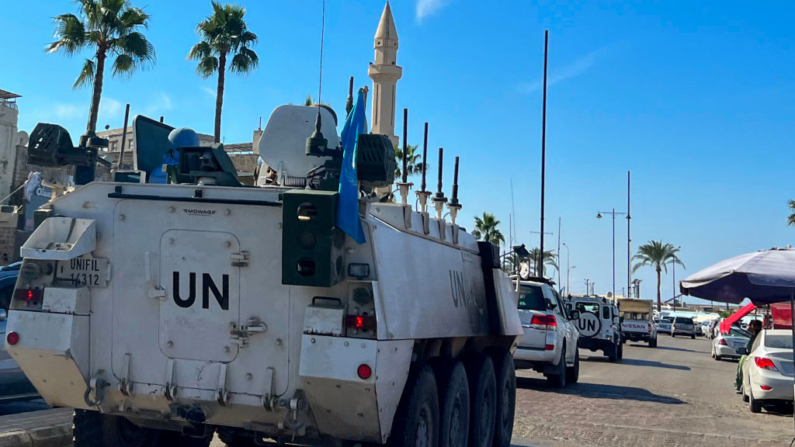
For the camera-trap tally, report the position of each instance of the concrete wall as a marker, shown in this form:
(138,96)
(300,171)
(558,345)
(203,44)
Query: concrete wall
(8,136)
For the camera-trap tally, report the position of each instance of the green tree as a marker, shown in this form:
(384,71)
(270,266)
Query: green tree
(108,28)
(549,260)
(413,161)
(791,218)
(658,255)
(224,34)
(486,229)
(309,101)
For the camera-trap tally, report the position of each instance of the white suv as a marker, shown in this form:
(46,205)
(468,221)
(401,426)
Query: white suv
(549,345)
(683,326)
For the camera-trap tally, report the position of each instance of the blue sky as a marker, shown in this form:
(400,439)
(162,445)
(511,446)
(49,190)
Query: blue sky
(695,98)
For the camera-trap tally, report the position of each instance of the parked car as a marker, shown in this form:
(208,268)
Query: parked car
(768,371)
(725,345)
(13,383)
(664,325)
(711,329)
(699,328)
(683,326)
(549,345)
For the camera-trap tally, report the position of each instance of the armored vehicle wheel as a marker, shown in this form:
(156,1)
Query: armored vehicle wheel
(454,400)
(506,398)
(94,429)
(176,439)
(558,378)
(573,373)
(234,438)
(483,396)
(417,419)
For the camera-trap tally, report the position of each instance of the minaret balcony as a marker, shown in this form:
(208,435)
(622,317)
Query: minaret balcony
(385,73)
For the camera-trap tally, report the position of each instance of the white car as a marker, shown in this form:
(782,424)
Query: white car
(664,325)
(683,326)
(768,370)
(725,345)
(549,345)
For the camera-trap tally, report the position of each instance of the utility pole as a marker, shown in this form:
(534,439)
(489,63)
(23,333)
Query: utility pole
(629,239)
(543,148)
(558,253)
(587,286)
(568,267)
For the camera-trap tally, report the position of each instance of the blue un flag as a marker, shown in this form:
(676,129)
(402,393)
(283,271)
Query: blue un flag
(348,206)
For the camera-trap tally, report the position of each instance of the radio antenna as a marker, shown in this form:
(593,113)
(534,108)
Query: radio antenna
(322,37)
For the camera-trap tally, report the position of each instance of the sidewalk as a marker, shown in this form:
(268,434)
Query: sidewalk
(50,428)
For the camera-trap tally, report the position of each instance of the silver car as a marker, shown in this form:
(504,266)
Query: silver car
(683,326)
(768,369)
(664,325)
(725,345)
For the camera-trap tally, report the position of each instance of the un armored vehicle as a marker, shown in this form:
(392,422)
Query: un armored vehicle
(165,313)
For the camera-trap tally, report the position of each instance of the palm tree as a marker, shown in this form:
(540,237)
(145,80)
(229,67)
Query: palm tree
(413,162)
(791,218)
(549,260)
(224,34)
(108,28)
(658,255)
(486,229)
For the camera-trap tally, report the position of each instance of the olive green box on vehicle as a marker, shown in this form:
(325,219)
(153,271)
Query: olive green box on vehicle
(311,243)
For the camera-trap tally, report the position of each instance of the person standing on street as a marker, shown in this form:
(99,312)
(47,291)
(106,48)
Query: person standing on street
(754,327)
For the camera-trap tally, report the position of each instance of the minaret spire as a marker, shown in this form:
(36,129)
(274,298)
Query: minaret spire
(385,73)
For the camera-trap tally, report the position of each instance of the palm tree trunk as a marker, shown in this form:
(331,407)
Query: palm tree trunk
(659,299)
(219,97)
(99,77)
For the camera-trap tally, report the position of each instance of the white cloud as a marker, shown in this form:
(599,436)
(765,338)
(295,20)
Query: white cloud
(161,104)
(209,91)
(68,111)
(426,8)
(110,108)
(568,71)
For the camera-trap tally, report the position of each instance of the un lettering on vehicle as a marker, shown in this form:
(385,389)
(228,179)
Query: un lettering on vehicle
(84,271)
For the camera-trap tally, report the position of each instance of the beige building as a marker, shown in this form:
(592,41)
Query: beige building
(9,138)
(385,73)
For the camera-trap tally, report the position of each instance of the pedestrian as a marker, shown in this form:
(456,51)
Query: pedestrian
(754,328)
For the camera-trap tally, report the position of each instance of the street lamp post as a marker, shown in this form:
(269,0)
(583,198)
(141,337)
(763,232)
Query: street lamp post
(613,213)
(568,267)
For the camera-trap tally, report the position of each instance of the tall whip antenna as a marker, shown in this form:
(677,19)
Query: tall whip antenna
(322,37)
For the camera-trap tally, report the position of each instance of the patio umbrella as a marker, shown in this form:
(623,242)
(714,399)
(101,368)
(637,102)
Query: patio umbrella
(764,277)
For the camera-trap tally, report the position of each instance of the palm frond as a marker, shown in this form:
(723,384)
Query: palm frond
(207,66)
(242,64)
(123,66)
(137,48)
(70,34)
(134,17)
(199,51)
(86,74)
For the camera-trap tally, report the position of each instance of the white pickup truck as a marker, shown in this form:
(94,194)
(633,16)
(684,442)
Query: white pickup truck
(636,321)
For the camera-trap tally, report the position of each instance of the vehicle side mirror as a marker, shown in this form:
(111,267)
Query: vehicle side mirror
(742,351)
(574,315)
(3,315)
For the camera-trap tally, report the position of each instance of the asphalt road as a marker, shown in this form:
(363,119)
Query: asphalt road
(673,395)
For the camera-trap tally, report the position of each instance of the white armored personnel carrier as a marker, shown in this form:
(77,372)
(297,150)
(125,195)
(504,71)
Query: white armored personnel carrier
(165,313)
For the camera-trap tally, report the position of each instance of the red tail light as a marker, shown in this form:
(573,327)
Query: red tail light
(765,387)
(549,347)
(722,342)
(764,363)
(12,338)
(29,295)
(364,371)
(650,329)
(544,320)
(360,322)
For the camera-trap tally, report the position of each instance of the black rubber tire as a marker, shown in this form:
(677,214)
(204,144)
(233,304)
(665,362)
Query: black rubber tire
(693,337)
(94,429)
(454,411)
(233,438)
(573,372)
(558,378)
(176,439)
(717,357)
(753,404)
(483,401)
(419,404)
(506,398)
(620,349)
(612,354)
(653,343)
(745,396)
